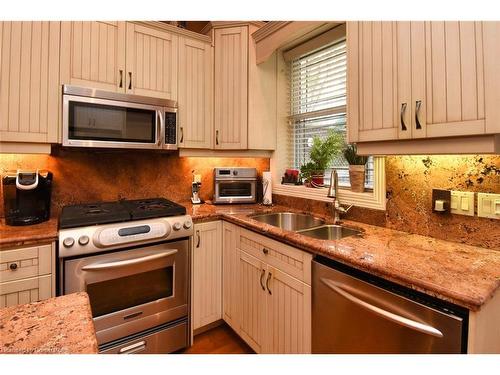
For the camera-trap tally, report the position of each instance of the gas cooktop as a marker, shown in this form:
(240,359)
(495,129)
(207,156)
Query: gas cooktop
(80,215)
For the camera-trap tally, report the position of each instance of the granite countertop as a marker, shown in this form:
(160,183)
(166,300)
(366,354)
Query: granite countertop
(60,325)
(26,234)
(462,274)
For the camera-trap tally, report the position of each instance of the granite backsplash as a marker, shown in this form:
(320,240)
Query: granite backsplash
(105,175)
(409,183)
(96,175)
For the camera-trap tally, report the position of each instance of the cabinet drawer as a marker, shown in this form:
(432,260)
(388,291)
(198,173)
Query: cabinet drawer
(25,291)
(295,262)
(21,263)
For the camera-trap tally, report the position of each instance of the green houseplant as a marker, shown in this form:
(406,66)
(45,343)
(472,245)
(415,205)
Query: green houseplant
(321,155)
(357,167)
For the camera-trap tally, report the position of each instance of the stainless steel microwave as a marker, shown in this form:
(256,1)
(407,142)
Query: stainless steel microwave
(97,118)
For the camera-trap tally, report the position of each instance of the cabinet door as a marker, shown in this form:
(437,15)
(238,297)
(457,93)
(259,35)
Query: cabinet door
(207,274)
(231,275)
(93,54)
(288,315)
(448,78)
(252,300)
(195,94)
(29,83)
(151,62)
(379,84)
(231,87)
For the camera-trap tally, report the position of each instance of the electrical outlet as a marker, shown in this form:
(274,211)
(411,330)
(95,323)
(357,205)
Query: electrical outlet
(462,203)
(488,205)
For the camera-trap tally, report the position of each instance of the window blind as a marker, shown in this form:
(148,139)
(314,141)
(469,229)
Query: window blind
(318,104)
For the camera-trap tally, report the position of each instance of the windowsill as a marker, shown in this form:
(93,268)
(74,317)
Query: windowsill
(374,199)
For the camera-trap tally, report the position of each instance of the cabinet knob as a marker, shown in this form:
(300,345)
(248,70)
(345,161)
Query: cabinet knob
(265,251)
(13,266)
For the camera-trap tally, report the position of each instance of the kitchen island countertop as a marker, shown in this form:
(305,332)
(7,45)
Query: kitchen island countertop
(60,325)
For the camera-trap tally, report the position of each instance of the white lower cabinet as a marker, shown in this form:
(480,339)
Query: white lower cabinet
(269,308)
(265,287)
(207,273)
(27,274)
(288,314)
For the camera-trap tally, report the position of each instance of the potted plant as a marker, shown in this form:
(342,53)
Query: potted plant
(357,167)
(321,155)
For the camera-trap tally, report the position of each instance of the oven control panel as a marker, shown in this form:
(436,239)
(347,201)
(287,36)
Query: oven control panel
(93,239)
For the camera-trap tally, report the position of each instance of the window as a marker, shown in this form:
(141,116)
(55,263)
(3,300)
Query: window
(318,104)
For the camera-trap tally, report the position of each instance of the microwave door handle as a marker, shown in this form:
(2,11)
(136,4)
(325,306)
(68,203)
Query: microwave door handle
(395,318)
(159,127)
(128,262)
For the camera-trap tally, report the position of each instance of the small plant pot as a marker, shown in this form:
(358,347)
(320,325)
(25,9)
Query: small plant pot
(316,180)
(357,178)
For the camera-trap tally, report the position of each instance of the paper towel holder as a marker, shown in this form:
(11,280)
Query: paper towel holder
(267,186)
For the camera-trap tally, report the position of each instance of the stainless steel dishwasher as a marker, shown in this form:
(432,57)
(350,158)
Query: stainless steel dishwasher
(354,312)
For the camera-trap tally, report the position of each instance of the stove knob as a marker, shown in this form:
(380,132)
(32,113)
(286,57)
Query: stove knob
(68,242)
(188,224)
(83,240)
(177,226)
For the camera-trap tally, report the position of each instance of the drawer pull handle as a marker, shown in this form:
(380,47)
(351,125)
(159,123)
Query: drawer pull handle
(121,79)
(265,251)
(13,266)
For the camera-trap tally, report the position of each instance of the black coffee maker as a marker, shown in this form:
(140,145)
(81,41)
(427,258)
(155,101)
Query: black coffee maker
(26,196)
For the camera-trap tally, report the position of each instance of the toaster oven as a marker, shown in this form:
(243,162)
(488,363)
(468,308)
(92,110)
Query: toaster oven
(235,185)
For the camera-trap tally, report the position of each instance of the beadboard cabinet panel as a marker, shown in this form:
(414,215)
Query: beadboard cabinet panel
(252,300)
(29,84)
(453,57)
(151,62)
(375,91)
(207,273)
(93,54)
(231,275)
(288,314)
(231,87)
(195,94)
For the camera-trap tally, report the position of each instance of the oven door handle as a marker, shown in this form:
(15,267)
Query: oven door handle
(128,262)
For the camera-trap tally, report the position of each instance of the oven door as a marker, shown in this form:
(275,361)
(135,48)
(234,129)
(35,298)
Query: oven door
(132,290)
(94,122)
(235,191)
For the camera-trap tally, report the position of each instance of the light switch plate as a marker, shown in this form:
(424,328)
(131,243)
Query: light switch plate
(462,203)
(488,205)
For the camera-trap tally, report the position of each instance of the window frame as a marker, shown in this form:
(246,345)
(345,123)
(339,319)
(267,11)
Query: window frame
(373,199)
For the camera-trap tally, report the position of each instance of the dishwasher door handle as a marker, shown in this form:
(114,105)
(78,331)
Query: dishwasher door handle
(398,319)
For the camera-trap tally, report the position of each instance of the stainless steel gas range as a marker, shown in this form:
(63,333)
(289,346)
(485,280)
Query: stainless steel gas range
(132,258)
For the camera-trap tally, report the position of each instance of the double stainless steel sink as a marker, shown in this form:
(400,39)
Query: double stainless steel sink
(306,225)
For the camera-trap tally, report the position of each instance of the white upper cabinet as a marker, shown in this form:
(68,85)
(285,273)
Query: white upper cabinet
(449,78)
(151,62)
(432,80)
(195,97)
(120,57)
(245,94)
(376,93)
(93,54)
(231,87)
(29,84)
